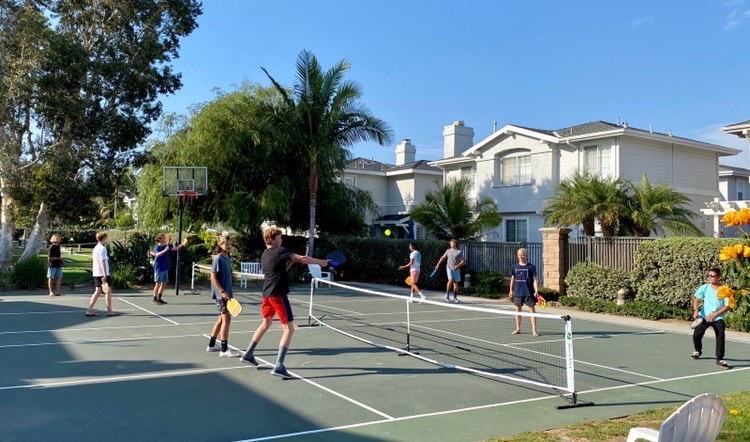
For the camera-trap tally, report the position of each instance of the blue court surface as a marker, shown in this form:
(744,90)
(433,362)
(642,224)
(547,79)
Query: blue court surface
(145,375)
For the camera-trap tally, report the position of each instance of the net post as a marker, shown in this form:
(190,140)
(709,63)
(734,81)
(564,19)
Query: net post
(573,401)
(192,277)
(310,305)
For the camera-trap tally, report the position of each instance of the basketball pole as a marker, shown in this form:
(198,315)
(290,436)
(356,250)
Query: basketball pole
(179,241)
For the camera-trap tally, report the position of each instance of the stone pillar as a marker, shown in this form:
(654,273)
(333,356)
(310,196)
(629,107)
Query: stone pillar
(553,257)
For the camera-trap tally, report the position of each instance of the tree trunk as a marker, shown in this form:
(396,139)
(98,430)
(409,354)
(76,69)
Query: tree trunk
(311,241)
(313,186)
(36,239)
(8,226)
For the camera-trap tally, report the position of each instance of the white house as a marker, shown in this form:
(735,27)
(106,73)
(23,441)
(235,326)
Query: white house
(395,189)
(520,167)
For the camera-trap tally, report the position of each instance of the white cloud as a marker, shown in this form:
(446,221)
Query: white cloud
(641,20)
(738,14)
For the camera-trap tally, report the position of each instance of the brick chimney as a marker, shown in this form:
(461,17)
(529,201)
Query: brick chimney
(405,152)
(456,139)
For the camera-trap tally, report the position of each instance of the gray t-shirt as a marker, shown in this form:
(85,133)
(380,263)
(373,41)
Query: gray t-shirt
(222,266)
(454,257)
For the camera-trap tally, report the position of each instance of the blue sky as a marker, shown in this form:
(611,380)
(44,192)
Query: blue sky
(679,66)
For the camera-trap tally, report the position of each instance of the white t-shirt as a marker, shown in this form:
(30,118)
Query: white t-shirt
(416,260)
(99,256)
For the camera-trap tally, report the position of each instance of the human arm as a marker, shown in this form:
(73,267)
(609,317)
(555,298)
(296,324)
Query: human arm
(440,261)
(407,265)
(512,283)
(711,316)
(303,259)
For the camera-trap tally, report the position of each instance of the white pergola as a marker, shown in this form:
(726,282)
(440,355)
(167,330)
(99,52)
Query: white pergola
(717,209)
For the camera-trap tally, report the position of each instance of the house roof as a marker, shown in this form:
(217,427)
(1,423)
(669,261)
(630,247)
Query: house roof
(376,166)
(586,131)
(725,170)
(741,129)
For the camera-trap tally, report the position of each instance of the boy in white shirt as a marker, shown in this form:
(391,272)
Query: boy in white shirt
(100,270)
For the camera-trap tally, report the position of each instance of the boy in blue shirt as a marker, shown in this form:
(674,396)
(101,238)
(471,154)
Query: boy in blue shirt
(712,311)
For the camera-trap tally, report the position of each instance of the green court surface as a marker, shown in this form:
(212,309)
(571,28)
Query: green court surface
(145,375)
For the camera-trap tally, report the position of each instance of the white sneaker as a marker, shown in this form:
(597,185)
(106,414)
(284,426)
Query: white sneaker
(422,298)
(216,347)
(456,300)
(230,354)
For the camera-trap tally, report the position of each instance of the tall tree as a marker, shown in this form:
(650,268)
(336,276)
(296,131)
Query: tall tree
(101,71)
(660,209)
(321,117)
(450,212)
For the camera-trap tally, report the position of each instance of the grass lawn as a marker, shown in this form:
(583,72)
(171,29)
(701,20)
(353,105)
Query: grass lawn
(736,425)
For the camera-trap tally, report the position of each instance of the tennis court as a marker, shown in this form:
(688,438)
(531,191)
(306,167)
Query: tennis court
(145,375)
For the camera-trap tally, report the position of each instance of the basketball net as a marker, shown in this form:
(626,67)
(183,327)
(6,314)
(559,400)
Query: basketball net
(188,196)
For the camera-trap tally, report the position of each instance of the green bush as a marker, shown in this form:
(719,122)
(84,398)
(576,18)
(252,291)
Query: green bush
(134,256)
(549,294)
(641,309)
(488,284)
(669,270)
(123,277)
(30,273)
(590,280)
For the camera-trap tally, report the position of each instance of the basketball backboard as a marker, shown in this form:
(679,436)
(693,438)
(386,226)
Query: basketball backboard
(184,179)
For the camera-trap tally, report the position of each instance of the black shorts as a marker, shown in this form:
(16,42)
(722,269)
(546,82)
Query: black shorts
(529,301)
(98,281)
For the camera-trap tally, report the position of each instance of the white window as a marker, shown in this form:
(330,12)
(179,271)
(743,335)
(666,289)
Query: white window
(515,170)
(598,160)
(740,190)
(350,180)
(516,230)
(468,172)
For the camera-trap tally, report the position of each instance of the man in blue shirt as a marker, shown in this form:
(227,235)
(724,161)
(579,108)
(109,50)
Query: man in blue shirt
(712,311)
(161,267)
(524,288)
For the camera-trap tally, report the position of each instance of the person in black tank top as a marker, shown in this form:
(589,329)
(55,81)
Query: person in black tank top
(275,263)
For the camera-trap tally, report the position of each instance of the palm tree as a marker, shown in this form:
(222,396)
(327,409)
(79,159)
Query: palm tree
(321,117)
(659,209)
(450,212)
(587,199)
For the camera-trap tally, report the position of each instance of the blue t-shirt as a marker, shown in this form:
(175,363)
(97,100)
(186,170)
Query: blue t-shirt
(161,263)
(222,266)
(523,279)
(711,301)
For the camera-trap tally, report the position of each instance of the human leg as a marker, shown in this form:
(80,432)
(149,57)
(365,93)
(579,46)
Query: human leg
(108,301)
(698,333)
(719,329)
(518,320)
(49,286)
(95,296)
(214,333)
(533,321)
(58,283)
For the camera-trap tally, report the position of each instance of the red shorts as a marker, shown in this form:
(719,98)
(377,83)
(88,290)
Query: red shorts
(277,305)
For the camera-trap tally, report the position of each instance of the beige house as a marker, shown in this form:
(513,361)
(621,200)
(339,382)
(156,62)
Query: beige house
(520,167)
(395,188)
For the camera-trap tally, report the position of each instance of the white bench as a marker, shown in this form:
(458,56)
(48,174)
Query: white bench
(247,269)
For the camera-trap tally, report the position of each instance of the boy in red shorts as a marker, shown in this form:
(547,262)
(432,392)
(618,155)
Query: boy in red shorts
(275,262)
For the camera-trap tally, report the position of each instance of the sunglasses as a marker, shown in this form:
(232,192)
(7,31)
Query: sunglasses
(712,275)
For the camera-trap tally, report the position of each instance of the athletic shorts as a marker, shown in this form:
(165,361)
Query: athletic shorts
(528,301)
(454,275)
(414,273)
(221,305)
(54,272)
(161,276)
(98,281)
(277,305)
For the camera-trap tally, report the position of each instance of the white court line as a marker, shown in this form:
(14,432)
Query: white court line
(467,409)
(148,311)
(119,327)
(50,312)
(119,378)
(106,340)
(315,384)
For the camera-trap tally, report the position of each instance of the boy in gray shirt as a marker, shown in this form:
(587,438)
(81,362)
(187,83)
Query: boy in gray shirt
(452,267)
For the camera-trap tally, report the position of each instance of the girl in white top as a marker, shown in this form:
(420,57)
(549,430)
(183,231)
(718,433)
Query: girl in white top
(100,270)
(414,265)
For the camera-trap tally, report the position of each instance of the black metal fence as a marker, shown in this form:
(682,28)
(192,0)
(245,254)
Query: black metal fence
(500,256)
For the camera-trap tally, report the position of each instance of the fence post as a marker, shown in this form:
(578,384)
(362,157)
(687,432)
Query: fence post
(553,257)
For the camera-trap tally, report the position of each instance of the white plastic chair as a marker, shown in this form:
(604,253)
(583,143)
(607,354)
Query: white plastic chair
(316,272)
(246,269)
(698,420)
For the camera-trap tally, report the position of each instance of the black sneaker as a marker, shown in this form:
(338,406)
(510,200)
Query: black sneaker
(722,363)
(161,301)
(696,355)
(249,360)
(281,372)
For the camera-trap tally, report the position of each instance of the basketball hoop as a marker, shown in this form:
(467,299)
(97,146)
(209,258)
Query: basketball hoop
(187,195)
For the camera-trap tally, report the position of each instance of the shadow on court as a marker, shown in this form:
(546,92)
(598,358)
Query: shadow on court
(140,376)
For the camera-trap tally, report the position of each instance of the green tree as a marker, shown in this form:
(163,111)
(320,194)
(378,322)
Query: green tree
(99,69)
(450,212)
(319,119)
(659,209)
(573,203)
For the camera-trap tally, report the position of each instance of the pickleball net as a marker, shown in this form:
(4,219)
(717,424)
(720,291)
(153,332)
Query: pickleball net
(469,338)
